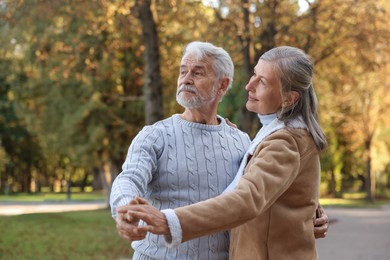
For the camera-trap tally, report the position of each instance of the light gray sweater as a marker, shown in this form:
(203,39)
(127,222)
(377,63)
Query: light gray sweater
(174,163)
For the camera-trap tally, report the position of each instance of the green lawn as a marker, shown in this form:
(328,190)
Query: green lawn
(52,197)
(70,235)
(353,200)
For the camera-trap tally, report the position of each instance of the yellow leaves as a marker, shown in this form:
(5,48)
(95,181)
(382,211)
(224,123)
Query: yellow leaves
(119,89)
(10,95)
(96,96)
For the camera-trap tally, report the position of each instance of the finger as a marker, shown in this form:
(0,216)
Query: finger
(122,209)
(125,236)
(141,215)
(142,201)
(145,229)
(230,123)
(126,226)
(140,231)
(130,218)
(319,222)
(320,235)
(133,202)
(126,208)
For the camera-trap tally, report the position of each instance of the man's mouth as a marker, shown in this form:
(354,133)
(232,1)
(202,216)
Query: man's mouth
(187,89)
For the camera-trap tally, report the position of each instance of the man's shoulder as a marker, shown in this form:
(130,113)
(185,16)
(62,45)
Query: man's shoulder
(159,127)
(162,125)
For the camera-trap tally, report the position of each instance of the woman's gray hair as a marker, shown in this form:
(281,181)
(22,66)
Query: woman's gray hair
(295,70)
(221,61)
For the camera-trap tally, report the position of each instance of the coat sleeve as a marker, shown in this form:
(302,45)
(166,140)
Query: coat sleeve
(267,175)
(138,168)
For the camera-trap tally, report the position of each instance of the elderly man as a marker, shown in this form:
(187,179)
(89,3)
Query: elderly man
(186,158)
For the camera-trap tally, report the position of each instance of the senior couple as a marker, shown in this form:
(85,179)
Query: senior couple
(193,186)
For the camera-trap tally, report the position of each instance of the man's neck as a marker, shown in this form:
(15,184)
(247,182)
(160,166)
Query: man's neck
(201,117)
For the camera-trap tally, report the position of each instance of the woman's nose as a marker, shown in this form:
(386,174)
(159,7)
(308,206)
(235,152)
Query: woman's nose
(249,86)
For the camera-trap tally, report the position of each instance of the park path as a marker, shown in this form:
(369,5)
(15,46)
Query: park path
(9,209)
(354,234)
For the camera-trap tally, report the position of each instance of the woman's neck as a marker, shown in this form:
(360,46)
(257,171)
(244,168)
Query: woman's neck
(266,119)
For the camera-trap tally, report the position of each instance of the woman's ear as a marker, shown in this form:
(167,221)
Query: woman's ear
(291,98)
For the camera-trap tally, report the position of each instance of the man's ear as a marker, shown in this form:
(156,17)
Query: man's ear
(223,85)
(291,98)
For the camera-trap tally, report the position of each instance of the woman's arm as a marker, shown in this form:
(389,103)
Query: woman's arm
(269,173)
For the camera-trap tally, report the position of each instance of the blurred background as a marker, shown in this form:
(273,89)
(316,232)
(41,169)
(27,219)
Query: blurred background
(79,79)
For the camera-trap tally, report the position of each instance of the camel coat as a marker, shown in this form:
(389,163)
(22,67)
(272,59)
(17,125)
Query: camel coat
(271,211)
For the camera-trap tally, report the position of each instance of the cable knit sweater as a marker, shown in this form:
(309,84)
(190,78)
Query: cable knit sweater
(174,163)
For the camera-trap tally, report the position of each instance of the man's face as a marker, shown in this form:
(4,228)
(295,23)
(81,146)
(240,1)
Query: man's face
(197,83)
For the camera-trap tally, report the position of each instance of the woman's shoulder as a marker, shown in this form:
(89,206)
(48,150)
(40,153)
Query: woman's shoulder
(295,138)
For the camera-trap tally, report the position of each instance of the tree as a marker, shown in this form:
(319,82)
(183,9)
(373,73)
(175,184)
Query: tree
(152,84)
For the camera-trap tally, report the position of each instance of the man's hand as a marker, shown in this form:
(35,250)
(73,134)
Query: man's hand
(156,220)
(127,226)
(320,223)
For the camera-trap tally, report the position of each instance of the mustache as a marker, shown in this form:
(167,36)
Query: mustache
(187,88)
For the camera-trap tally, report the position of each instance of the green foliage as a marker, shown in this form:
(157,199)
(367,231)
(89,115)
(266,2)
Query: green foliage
(72,72)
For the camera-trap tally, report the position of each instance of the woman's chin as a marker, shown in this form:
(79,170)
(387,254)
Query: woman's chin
(250,107)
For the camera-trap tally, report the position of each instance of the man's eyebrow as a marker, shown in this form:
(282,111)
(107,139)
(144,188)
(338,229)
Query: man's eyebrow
(196,66)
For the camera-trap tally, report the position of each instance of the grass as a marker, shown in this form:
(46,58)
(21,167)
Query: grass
(69,235)
(52,197)
(354,200)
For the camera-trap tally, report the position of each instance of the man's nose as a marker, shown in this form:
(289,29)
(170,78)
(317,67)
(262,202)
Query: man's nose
(187,79)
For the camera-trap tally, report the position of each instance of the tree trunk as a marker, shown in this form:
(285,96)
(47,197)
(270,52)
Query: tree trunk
(246,118)
(371,184)
(153,82)
(84,182)
(106,175)
(97,180)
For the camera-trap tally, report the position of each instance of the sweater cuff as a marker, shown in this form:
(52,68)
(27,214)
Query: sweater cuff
(122,202)
(174,240)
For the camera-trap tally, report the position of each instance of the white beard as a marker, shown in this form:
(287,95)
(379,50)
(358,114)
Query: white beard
(196,101)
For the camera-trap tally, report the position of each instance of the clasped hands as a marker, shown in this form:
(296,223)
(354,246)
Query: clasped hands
(128,217)
(127,221)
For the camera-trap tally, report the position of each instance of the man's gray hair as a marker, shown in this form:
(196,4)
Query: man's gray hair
(221,61)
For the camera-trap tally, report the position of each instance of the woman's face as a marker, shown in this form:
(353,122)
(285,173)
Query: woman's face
(264,90)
